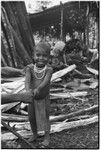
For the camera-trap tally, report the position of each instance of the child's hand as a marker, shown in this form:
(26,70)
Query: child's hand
(36,93)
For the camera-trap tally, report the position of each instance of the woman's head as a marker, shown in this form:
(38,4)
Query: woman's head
(42,54)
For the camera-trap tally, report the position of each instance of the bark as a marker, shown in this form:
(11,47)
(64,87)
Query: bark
(3,80)
(54,128)
(68,94)
(70,125)
(9,36)
(21,49)
(26,97)
(11,72)
(11,17)
(3,61)
(94,71)
(18,33)
(8,106)
(5,49)
(13,23)
(90,110)
(20,118)
(24,27)
(62,72)
(14,118)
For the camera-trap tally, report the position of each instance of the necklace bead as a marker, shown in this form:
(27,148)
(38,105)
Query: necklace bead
(39,71)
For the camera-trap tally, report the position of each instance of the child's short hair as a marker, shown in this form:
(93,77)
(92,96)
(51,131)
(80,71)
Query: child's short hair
(45,46)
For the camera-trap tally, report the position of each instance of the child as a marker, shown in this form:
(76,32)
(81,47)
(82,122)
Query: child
(37,81)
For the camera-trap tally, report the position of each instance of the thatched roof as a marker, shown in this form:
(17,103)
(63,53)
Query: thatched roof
(52,15)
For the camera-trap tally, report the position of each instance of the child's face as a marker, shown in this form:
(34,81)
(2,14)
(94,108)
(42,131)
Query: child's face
(41,57)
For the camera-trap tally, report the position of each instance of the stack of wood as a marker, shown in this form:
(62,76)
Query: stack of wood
(16,36)
(13,94)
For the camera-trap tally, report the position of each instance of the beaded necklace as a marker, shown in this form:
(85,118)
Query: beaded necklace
(39,71)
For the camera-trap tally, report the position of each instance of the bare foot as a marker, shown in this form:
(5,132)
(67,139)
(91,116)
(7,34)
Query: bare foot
(46,141)
(33,138)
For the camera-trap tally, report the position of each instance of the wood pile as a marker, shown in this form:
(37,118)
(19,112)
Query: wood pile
(74,100)
(70,104)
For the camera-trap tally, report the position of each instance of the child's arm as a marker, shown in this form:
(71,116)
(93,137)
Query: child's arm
(44,83)
(27,79)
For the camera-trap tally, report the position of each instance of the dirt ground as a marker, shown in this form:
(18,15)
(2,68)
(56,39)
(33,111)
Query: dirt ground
(86,137)
(78,138)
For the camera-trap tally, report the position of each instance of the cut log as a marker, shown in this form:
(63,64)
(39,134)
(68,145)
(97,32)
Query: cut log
(3,80)
(57,127)
(13,86)
(94,71)
(11,72)
(93,109)
(26,97)
(17,134)
(94,85)
(62,72)
(8,106)
(57,80)
(25,125)
(57,89)
(19,118)
(67,95)
(69,125)
(14,118)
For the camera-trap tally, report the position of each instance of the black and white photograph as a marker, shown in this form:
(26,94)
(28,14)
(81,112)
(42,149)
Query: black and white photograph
(50,74)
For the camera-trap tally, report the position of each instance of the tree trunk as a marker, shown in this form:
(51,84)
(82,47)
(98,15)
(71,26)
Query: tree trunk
(3,61)
(5,49)
(21,17)
(21,50)
(9,37)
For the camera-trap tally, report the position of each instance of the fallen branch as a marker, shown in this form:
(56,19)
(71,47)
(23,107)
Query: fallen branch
(68,94)
(14,118)
(62,72)
(6,107)
(94,71)
(54,128)
(20,118)
(69,125)
(13,79)
(27,96)
(93,109)
(16,134)
(26,125)
(11,72)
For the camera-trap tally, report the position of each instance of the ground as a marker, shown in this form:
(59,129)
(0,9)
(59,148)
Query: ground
(78,138)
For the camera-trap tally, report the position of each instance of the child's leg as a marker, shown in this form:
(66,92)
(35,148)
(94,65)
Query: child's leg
(32,119)
(47,130)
